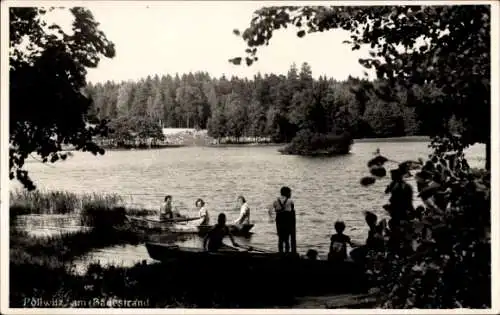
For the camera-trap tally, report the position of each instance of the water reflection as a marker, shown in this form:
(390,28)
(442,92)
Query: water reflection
(46,225)
(129,255)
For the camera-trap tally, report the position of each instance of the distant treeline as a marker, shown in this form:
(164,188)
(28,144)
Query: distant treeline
(271,106)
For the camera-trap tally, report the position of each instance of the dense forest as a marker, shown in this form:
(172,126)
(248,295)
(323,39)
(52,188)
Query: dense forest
(271,106)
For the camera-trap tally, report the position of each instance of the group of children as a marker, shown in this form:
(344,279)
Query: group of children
(282,211)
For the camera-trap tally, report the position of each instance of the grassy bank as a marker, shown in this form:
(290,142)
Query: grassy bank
(40,268)
(177,284)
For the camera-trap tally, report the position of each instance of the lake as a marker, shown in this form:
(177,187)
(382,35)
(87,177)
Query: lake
(324,189)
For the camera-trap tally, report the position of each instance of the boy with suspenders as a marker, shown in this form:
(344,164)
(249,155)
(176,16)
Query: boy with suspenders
(283,206)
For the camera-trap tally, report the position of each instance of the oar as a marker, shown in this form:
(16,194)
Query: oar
(251,248)
(239,248)
(244,248)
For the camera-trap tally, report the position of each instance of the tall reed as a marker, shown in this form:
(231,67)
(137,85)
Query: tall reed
(61,202)
(39,202)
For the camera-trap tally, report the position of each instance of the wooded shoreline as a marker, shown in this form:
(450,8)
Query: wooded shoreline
(253,143)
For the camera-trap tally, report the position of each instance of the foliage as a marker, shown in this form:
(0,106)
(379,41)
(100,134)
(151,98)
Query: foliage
(440,256)
(271,107)
(442,48)
(127,130)
(48,66)
(439,58)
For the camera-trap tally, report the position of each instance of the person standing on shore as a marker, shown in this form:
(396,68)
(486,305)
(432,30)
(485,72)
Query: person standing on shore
(284,209)
(244,217)
(338,243)
(401,200)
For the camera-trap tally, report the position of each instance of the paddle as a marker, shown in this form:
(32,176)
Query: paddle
(239,248)
(251,248)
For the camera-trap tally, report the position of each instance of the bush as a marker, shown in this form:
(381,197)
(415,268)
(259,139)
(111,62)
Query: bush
(307,142)
(440,256)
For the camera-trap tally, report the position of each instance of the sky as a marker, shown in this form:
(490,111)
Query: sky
(178,37)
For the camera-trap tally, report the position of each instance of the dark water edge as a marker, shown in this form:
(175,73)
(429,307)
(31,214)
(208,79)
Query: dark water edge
(361,140)
(256,144)
(395,139)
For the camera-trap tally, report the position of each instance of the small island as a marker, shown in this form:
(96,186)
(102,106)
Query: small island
(308,143)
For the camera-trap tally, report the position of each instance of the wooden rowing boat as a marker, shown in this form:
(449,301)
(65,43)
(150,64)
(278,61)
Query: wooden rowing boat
(167,252)
(179,225)
(155,224)
(202,230)
(270,266)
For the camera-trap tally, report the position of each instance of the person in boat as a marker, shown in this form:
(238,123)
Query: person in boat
(203,213)
(166,209)
(284,209)
(338,243)
(213,241)
(244,217)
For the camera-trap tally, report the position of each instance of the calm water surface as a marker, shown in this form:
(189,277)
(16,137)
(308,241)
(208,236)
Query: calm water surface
(324,189)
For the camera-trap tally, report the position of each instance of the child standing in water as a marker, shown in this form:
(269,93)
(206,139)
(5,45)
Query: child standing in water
(284,208)
(338,243)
